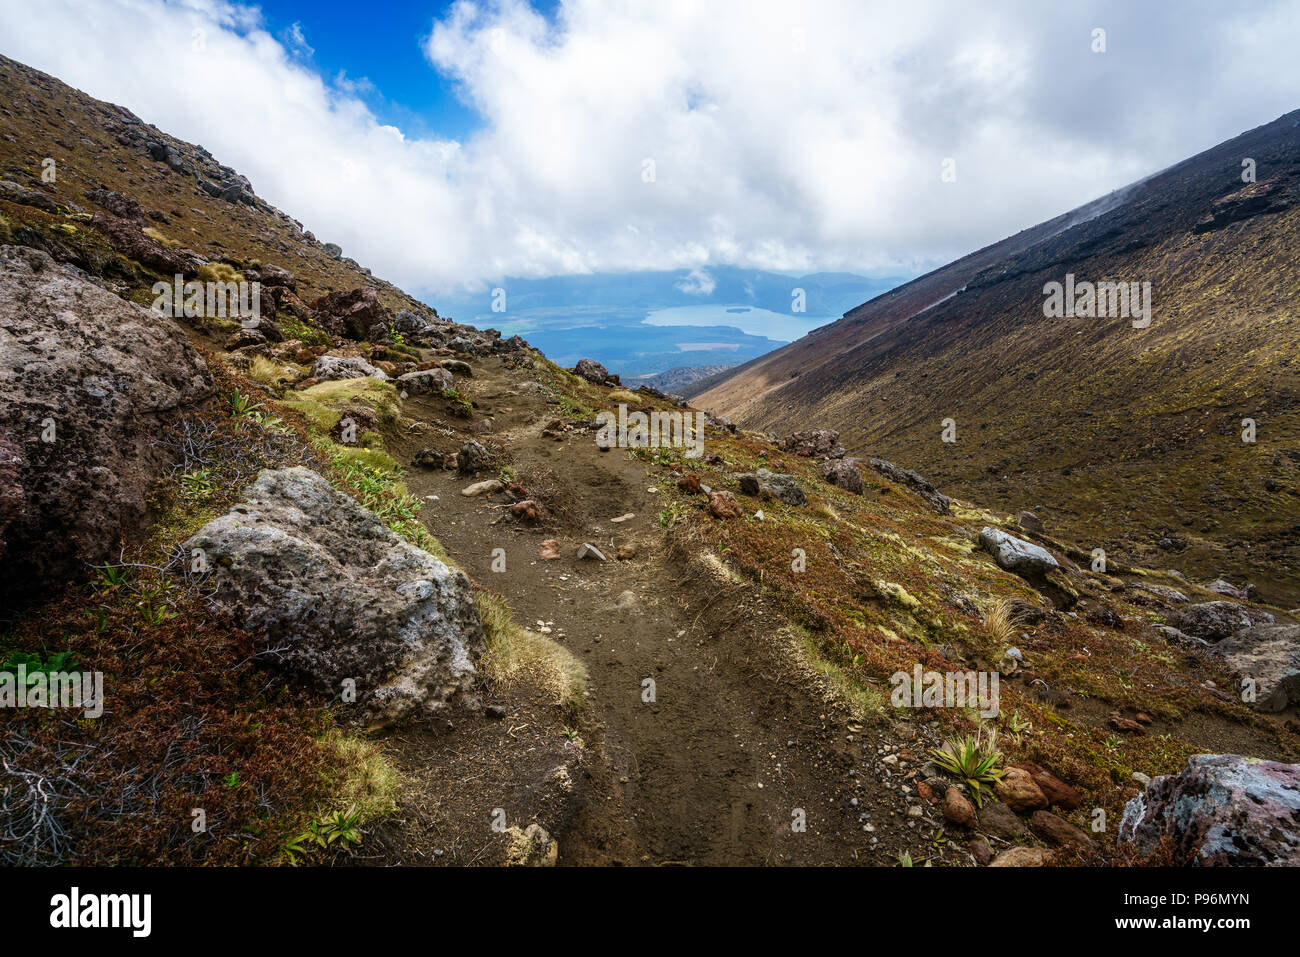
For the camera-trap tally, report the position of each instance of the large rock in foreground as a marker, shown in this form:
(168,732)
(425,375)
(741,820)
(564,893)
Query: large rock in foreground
(343,596)
(1223,809)
(425,382)
(86,381)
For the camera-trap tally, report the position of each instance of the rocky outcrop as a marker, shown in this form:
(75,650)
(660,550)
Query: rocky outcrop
(1216,620)
(1223,809)
(344,367)
(16,193)
(1268,655)
(339,598)
(85,386)
(410,323)
(127,237)
(918,484)
(593,371)
(121,206)
(813,443)
(350,313)
(768,484)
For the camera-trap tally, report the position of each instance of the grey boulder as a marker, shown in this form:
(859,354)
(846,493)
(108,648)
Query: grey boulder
(1016,554)
(340,600)
(844,474)
(1216,620)
(1268,655)
(345,367)
(425,382)
(777,485)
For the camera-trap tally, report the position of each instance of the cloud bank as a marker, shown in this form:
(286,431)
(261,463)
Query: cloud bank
(622,136)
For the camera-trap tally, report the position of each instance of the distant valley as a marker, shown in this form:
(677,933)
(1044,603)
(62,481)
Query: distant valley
(644,323)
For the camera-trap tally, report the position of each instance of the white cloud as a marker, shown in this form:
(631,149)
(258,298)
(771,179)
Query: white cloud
(697,283)
(297,42)
(785,136)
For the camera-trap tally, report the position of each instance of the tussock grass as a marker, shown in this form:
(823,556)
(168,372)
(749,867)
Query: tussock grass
(212,272)
(376,393)
(367,782)
(516,655)
(159,236)
(1001,624)
(268,371)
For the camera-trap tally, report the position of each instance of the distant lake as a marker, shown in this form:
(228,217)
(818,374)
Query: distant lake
(783,327)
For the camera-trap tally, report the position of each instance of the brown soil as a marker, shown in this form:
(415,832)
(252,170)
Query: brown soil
(741,734)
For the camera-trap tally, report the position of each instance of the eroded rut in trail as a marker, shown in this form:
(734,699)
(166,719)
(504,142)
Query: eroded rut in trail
(740,742)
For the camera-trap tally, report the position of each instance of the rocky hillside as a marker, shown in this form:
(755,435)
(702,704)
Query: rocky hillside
(1122,438)
(328,563)
(678,379)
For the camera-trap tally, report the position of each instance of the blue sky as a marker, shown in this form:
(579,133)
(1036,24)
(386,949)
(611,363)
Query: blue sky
(380,41)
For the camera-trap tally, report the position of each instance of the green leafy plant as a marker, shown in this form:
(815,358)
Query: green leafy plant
(1018,726)
(111,576)
(241,404)
(974,759)
(199,481)
(333,828)
(60,661)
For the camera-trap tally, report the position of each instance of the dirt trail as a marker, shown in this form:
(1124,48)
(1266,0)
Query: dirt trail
(740,738)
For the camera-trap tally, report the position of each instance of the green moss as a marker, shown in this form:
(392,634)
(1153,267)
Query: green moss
(303,330)
(376,393)
(898,595)
(867,700)
(370,458)
(365,780)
